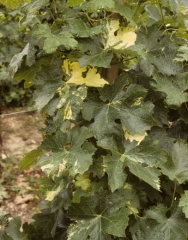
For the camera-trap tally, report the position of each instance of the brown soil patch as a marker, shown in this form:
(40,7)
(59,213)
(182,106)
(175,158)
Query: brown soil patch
(20,134)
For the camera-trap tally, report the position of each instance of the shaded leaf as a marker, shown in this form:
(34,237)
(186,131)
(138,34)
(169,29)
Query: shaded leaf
(177,169)
(52,41)
(101,59)
(81,29)
(184,203)
(117,103)
(161,226)
(30,158)
(175,94)
(142,160)
(99,216)
(13,230)
(94,5)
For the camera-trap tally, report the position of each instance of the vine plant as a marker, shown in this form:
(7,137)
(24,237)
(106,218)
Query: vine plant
(111,79)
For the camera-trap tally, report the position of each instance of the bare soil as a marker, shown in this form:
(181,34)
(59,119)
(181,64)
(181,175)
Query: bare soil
(20,133)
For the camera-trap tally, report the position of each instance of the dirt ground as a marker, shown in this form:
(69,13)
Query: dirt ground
(20,134)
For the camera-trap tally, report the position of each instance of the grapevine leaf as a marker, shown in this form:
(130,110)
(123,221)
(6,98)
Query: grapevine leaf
(44,96)
(128,106)
(164,140)
(73,3)
(16,61)
(99,216)
(158,53)
(34,6)
(124,11)
(113,164)
(101,59)
(47,222)
(30,158)
(83,182)
(13,3)
(71,100)
(123,38)
(177,169)
(13,230)
(175,94)
(73,154)
(142,160)
(161,226)
(154,12)
(2,16)
(92,78)
(114,167)
(51,79)
(79,192)
(80,29)
(94,5)
(53,41)
(182,54)
(184,203)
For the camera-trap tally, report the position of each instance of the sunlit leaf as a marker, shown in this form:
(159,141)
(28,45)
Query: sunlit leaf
(119,37)
(92,79)
(13,3)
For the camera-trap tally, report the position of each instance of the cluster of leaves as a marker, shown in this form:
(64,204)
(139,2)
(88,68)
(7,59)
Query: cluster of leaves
(112,82)
(11,43)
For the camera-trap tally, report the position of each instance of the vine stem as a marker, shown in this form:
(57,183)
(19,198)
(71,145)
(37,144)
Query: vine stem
(161,11)
(173,196)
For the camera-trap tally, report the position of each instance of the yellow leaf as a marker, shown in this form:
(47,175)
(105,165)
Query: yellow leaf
(66,66)
(119,38)
(136,137)
(92,78)
(13,3)
(83,182)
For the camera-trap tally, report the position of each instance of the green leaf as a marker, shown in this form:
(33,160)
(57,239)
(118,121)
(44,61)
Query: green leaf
(30,158)
(71,153)
(80,29)
(154,12)
(101,59)
(99,217)
(51,79)
(71,100)
(46,223)
(17,59)
(117,103)
(13,230)
(114,167)
(124,11)
(142,160)
(177,169)
(94,5)
(160,226)
(73,3)
(13,3)
(182,54)
(2,16)
(52,41)
(175,94)
(184,203)
(34,6)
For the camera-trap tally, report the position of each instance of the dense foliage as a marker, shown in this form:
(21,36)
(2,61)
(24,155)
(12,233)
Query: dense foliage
(12,93)
(112,80)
